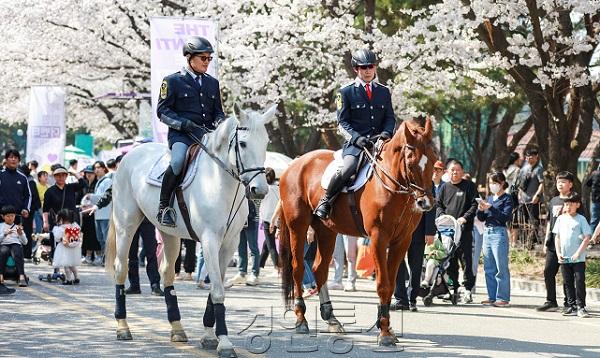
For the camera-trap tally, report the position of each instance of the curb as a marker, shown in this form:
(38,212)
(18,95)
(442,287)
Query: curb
(592,294)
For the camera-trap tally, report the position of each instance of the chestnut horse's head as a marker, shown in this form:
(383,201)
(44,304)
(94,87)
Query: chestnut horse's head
(417,155)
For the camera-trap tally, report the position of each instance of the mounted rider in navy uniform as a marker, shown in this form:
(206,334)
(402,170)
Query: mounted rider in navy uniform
(364,109)
(190,104)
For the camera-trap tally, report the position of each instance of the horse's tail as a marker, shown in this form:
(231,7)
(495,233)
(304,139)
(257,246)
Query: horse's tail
(285,254)
(110,251)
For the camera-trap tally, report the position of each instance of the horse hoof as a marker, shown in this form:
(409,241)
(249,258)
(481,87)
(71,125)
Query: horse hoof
(302,328)
(387,341)
(335,327)
(226,353)
(124,335)
(209,343)
(178,336)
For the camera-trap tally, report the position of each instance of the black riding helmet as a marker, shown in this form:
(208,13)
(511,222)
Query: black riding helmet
(363,57)
(195,45)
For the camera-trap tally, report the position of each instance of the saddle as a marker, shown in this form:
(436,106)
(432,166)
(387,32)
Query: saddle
(188,173)
(364,170)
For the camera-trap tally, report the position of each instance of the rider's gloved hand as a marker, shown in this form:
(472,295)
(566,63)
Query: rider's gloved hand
(189,126)
(385,135)
(363,142)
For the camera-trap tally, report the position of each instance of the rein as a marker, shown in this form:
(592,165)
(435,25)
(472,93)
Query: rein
(411,189)
(239,166)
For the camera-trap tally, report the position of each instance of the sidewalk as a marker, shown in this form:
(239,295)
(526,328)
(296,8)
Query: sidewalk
(592,294)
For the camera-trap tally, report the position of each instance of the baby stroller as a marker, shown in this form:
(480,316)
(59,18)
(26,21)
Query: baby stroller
(43,249)
(449,232)
(43,252)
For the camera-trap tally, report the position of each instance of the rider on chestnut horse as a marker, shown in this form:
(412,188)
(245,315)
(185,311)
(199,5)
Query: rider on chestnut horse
(364,109)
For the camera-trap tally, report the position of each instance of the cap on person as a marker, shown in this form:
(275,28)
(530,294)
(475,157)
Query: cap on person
(573,198)
(60,170)
(88,169)
(438,165)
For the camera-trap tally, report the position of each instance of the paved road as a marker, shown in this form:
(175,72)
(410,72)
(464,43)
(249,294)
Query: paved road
(51,320)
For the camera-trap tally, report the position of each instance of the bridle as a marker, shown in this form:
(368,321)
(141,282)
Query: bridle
(410,188)
(236,174)
(239,165)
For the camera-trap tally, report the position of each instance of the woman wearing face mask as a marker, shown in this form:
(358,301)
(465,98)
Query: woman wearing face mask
(496,212)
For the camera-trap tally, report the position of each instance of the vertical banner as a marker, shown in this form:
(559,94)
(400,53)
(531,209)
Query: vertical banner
(46,126)
(168,35)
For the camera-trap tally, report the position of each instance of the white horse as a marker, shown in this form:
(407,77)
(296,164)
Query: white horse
(240,143)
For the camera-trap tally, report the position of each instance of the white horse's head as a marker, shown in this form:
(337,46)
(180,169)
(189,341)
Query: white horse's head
(247,147)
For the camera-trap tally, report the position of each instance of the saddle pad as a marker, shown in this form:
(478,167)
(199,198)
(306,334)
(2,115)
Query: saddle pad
(158,170)
(361,178)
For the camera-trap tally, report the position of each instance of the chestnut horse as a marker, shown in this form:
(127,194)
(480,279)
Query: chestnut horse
(391,203)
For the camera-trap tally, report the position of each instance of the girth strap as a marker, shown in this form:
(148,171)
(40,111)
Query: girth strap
(356,215)
(185,213)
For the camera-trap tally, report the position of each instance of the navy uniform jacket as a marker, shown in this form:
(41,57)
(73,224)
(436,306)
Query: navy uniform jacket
(182,99)
(14,190)
(360,117)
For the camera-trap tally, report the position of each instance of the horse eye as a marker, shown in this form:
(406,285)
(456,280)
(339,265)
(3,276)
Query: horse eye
(243,144)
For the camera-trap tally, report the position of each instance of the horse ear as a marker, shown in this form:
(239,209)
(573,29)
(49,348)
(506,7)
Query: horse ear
(269,115)
(408,134)
(428,128)
(238,111)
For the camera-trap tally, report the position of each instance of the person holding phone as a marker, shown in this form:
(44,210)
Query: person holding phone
(495,213)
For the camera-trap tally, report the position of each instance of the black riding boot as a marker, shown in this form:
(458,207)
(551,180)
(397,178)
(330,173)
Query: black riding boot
(335,186)
(166,214)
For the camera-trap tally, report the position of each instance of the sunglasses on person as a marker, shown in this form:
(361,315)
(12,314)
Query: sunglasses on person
(205,58)
(366,67)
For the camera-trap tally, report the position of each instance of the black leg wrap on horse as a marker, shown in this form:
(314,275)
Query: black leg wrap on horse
(221,328)
(120,312)
(326,310)
(300,303)
(209,314)
(172,306)
(382,311)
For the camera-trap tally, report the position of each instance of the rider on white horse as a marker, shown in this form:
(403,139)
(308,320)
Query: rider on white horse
(190,104)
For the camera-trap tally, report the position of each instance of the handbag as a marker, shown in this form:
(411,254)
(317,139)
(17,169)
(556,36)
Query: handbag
(365,261)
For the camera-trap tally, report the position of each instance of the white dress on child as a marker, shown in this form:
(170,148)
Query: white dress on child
(66,255)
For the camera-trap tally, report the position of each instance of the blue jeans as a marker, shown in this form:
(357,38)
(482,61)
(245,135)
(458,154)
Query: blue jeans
(101,233)
(249,238)
(39,221)
(495,263)
(308,280)
(594,215)
(477,246)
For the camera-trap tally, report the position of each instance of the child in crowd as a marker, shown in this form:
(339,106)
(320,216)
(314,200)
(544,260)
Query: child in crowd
(572,235)
(564,186)
(68,239)
(434,254)
(12,240)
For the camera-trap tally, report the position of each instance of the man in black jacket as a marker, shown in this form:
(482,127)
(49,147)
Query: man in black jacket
(457,198)
(14,186)
(190,105)
(423,234)
(593,182)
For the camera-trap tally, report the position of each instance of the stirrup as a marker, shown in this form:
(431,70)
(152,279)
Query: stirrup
(323,208)
(169,214)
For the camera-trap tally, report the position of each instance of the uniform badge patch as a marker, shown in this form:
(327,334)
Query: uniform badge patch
(163,89)
(338,101)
